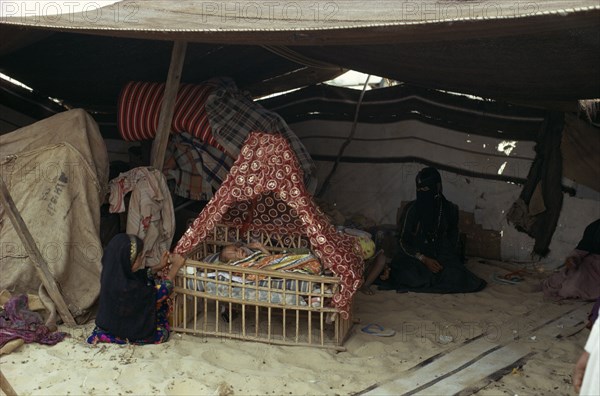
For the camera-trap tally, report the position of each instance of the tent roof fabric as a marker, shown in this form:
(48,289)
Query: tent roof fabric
(511,51)
(245,22)
(76,65)
(264,191)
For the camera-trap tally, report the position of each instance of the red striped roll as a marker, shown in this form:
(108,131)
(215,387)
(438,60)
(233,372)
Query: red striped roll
(139,110)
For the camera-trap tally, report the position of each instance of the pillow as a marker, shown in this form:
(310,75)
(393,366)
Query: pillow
(366,243)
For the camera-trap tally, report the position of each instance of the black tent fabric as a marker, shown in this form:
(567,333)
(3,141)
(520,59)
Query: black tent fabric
(537,210)
(536,51)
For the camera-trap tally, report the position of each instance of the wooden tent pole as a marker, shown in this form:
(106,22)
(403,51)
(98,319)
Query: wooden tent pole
(159,147)
(34,254)
(5,386)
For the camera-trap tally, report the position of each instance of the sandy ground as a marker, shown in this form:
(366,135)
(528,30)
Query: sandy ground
(190,365)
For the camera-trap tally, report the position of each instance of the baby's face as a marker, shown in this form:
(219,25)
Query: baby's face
(232,253)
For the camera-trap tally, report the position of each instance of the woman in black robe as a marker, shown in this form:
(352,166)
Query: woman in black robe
(428,259)
(133,303)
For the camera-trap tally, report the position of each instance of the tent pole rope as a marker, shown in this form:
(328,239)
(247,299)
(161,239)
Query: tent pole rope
(346,143)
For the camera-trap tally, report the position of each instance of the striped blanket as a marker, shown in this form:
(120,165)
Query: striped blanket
(302,263)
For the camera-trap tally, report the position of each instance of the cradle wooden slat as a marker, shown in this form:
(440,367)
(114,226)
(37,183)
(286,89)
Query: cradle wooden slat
(274,307)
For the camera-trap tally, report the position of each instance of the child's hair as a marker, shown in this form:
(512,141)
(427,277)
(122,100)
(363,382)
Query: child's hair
(227,248)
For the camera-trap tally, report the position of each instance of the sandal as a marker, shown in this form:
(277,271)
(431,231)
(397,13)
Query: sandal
(512,280)
(377,330)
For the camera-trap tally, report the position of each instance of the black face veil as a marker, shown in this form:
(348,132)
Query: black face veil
(429,193)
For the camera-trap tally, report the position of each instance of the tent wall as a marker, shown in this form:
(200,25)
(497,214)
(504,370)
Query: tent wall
(483,148)
(378,190)
(471,155)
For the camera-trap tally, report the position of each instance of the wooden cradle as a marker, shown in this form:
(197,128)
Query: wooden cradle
(282,308)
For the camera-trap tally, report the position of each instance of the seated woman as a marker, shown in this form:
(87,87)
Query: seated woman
(580,277)
(428,259)
(133,305)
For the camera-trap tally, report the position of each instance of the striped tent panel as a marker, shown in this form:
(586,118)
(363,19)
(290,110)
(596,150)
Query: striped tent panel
(406,102)
(404,124)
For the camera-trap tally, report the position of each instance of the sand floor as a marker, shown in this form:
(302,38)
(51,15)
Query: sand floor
(426,325)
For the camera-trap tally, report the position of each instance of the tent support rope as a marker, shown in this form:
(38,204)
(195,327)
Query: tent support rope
(346,143)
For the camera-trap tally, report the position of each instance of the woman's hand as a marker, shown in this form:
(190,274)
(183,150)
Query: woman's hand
(432,264)
(176,261)
(164,261)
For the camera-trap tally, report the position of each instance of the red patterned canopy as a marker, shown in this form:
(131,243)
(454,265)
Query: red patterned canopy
(264,191)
